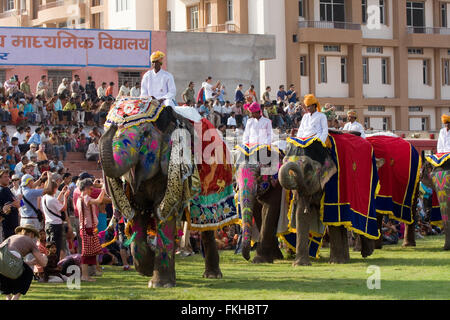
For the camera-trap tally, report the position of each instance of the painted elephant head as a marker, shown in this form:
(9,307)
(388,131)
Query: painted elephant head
(302,173)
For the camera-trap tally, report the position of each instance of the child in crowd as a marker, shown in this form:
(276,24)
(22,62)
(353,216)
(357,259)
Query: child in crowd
(52,273)
(81,145)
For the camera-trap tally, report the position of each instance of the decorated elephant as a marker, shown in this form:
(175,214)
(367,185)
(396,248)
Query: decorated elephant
(152,180)
(259,197)
(342,201)
(436,175)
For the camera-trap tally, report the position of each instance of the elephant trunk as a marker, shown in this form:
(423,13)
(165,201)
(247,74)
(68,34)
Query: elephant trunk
(290,175)
(111,168)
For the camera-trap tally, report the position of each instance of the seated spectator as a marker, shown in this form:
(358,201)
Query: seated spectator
(41,155)
(11,158)
(42,246)
(21,119)
(70,108)
(4,142)
(93,153)
(18,169)
(231,121)
(52,273)
(58,144)
(390,233)
(56,163)
(32,151)
(94,134)
(43,166)
(82,144)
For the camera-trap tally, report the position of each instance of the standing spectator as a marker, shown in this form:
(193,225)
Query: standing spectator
(25,87)
(135,92)
(266,96)
(29,212)
(87,207)
(124,90)
(11,86)
(250,95)
(226,111)
(75,85)
(101,91)
(221,94)
(291,94)
(53,208)
(9,205)
(15,188)
(281,94)
(109,90)
(188,94)
(209,89)
(216,114)
(238,112)
(62,88)
(91,91)
(21,244)
(239,95)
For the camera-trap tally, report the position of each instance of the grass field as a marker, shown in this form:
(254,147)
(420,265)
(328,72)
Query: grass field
(422,272)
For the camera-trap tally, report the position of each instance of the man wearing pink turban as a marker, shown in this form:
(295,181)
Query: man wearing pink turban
(258,129)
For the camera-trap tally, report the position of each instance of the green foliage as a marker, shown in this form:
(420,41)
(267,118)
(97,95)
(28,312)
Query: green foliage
(422,272)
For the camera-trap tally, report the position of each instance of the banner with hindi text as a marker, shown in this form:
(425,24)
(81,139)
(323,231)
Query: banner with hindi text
(74,47)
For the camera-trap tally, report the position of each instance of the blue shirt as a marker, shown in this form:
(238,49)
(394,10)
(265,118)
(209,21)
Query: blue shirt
(58,105)
(293,97)
(239,96)
(281,94)
(32,195)
(221,96)
(35,138)
(27,109)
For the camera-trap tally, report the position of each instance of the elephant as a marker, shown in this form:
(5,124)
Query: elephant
(135,161)
(438,178)
(306,171)
(260,198)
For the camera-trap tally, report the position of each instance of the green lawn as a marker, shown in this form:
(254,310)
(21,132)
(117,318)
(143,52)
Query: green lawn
(422,272)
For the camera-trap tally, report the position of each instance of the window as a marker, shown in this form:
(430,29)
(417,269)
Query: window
(301,8)
(339,108)
(169,21)
(426,72)
(193,14)
(415,15)
(424,124)
(386,124)
(57,75)
(208,14)
(323,69)
(385,79)
(443,15)
(230,10)
(343,70)
(415,109)
(374,50)
(364,10)
(132,77)
(332,48)
(446,72)
(121,5)
(365,62)
(415,51)
(382,11)
(303,64)
(332,10)
(376,108)
(9,5)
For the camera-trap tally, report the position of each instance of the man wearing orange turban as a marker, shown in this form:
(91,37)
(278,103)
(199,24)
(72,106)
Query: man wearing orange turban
(159,83)
(353,125)
(444,135)
(314,123)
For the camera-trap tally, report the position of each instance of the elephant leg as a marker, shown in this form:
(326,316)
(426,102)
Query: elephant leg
(164,270)
(212,269)
(303,220)
(345,246)
(379,241)
(143,256)
(409,239)
(367,246)
(358,245)
(337,246)
(447,235)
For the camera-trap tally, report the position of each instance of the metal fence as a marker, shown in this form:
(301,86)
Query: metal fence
(329,25)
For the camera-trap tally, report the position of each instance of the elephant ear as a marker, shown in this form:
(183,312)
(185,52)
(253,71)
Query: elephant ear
(327,170)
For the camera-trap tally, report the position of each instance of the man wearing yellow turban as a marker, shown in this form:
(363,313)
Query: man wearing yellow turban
(159,83)
(314,123)
(353,125)
(444,135)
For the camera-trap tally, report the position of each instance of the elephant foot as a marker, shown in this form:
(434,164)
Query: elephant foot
(160,284)
(378,244)
(262,259)
(338,260)
(246,251)
(408,244)
(301,262)
(213,274)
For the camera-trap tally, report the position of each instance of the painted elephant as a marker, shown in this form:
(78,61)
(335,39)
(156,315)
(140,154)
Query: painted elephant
(135,161)
(438,178)
(260,199)
(305,171)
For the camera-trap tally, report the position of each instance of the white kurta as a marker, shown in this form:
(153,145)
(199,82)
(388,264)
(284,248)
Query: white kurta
(355,126)
(443,141)
(160,85)
(314,125)
(258,131)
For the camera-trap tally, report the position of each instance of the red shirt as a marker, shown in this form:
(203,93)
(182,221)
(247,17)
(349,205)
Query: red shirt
(76,194)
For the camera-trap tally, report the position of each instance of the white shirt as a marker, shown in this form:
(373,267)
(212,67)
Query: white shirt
(314,125)
(218,108)
(21,137)
(443,141)
(49,202)
(124,91)
(92,150)
(61,88)
(258,131)
(208,90)
(227,110)
(231,122)
(135,92)
(355,126)
(160,85)
(101,92)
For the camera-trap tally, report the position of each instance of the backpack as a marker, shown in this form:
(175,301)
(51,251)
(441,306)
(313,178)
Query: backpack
(10,266)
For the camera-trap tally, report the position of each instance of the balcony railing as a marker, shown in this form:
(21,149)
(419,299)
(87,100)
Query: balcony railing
(428,30)
(329,25)
(59,3)
(9,13)
(229,27)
